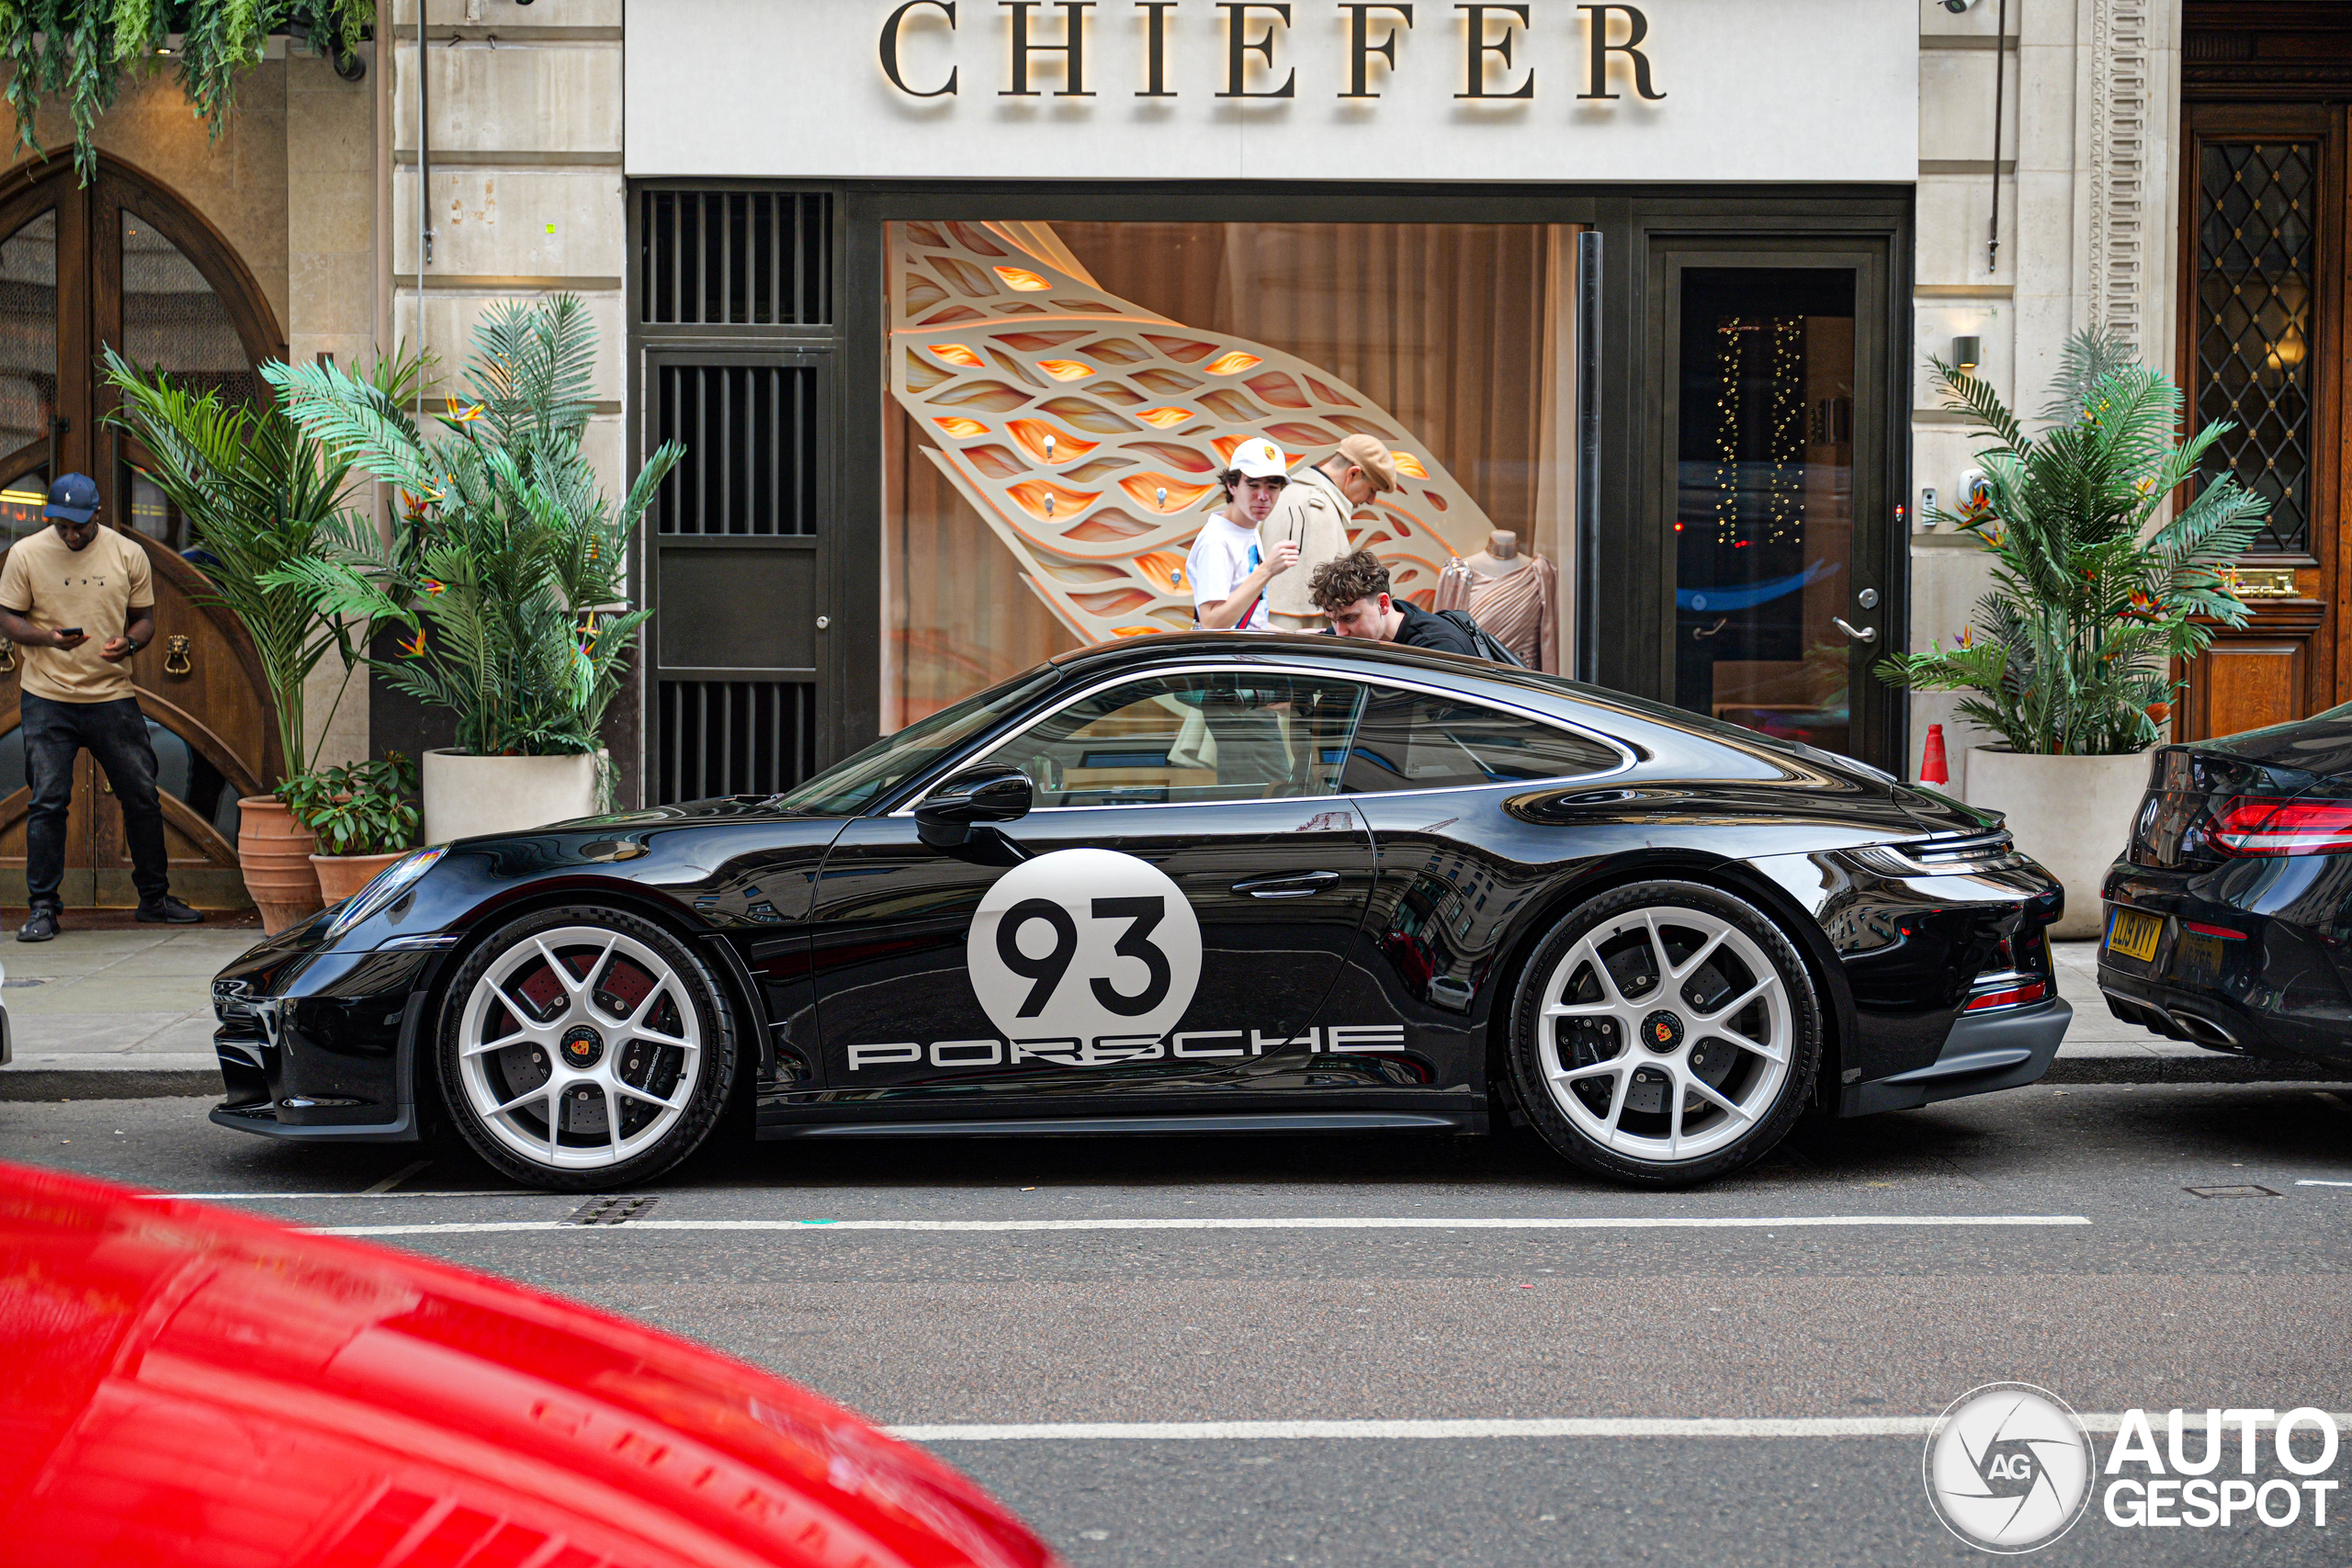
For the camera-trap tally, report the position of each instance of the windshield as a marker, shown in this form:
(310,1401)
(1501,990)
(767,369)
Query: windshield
(850,786)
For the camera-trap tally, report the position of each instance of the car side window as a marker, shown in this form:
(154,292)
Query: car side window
(1418,740)
(1218,735)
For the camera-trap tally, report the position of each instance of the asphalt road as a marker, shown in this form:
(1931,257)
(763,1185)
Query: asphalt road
(2128,1291)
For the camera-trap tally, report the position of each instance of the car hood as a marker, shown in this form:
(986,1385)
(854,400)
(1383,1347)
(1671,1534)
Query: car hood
(180,1385)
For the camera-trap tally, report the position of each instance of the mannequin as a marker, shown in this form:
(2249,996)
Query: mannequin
(1510,592)
(1500,557)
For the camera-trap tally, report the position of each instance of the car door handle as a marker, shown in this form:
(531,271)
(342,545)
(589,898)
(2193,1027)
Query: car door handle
(1297,885)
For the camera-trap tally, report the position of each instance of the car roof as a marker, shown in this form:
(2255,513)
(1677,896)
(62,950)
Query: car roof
(332,1401)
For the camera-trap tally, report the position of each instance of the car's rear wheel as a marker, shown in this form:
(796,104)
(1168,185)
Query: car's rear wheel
(584,1048)
(1665,1033)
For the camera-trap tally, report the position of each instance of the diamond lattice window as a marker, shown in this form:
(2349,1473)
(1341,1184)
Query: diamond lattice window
(2256,260)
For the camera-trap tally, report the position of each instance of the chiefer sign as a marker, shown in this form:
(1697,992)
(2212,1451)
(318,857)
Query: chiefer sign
(1692,90)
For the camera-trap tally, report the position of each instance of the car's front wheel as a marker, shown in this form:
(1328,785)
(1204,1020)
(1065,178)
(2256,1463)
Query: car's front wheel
(585,1049)
(1665,1033)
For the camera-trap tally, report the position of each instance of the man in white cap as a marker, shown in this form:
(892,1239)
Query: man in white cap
(1313,513)
(1228,567)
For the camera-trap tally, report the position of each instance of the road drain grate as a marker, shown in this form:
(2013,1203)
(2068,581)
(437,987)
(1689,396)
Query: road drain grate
(610,1210)
(2230,1191)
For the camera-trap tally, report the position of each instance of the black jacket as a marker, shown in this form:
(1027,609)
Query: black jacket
(1422,629)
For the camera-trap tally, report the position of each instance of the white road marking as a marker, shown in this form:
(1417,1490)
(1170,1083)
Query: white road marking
(395,1179)
(2324,1183)
(371,1193)
(1671,1427)
(1320,1222)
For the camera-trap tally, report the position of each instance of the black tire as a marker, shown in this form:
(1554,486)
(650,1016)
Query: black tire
(1616,1112)
(655,1089)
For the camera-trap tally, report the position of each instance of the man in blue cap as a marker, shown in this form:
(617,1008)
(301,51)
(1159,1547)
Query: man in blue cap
(63,592)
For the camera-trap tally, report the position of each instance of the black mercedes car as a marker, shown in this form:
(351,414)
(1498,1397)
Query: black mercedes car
(2228,917)
(1195,884)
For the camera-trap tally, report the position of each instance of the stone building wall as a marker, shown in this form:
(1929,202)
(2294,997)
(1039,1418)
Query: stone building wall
(2087,232)
(526,199)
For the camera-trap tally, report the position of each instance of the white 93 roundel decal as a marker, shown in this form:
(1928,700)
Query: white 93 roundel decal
(1082,944)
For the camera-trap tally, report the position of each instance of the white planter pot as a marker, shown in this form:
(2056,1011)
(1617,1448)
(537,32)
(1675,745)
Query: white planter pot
(466,795)
(2072,814)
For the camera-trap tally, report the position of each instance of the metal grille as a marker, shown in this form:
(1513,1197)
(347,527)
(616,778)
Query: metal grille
(750,432)
(2257,256)
(735,737)
(735,258)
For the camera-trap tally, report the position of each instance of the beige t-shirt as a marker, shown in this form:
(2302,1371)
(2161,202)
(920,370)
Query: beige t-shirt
(95,588)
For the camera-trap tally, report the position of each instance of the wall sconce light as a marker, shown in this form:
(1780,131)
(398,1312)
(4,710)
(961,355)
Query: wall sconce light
(1968,354)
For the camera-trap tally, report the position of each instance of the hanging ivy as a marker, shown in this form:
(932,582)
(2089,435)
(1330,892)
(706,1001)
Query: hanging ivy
(84,51)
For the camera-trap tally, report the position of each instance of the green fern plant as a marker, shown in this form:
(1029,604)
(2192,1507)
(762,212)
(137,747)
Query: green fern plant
(507,562)
(259,493)
(2095,592)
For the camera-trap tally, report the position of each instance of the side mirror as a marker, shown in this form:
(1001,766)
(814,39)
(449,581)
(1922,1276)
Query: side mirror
(993,792)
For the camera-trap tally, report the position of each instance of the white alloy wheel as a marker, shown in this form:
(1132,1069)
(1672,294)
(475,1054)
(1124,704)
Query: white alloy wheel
(1667,1034)
(580,1048)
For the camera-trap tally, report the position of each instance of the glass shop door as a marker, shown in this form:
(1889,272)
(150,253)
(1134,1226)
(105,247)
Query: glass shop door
(1784,592)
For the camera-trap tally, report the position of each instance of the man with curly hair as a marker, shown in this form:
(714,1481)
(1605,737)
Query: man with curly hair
(1353,591)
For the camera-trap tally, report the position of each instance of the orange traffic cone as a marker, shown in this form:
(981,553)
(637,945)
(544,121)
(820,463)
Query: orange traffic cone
(1933,769)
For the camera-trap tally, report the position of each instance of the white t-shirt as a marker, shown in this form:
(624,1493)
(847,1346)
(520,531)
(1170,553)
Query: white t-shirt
(1223,553)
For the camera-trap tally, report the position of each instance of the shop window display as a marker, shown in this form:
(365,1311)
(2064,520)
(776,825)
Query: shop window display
(1063,396)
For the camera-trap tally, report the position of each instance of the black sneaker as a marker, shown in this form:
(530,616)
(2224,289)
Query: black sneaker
(170,910)
(42,927)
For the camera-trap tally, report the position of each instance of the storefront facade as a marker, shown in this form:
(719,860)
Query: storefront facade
(1587,318)
(957,336)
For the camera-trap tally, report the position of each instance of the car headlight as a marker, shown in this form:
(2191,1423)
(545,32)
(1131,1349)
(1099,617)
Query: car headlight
(387,885)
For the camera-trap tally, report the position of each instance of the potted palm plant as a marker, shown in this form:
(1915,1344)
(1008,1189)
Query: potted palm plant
(259,492)
(2095,593)
(363,816)
(507,564)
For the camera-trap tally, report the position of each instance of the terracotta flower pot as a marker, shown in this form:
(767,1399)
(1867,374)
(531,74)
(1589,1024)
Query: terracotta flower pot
(274,852)
(342,876)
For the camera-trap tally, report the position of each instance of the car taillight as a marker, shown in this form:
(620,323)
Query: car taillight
(2266,825)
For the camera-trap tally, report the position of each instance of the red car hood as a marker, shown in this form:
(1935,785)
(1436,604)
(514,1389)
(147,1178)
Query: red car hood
(182,1385)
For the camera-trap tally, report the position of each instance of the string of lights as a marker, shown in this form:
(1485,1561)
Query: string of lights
(1786,435)
(1727,429)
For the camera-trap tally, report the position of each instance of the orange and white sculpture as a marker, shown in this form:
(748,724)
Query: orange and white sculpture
(1089,431)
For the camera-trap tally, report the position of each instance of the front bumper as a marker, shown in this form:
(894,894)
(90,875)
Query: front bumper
(1984,1052)
(325,1053)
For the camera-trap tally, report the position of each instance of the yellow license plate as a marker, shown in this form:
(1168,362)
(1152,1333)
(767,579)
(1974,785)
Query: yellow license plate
(2134,933)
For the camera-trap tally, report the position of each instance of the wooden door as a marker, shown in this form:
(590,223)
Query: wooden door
(2262,251)
(122,261)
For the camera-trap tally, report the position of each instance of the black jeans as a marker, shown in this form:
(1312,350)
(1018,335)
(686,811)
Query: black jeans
(115,734)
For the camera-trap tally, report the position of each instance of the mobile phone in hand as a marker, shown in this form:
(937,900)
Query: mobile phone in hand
(69,631)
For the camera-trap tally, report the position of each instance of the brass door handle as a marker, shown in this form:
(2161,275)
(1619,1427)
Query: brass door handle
(176,657)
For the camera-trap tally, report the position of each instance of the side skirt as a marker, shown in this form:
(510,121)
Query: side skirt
(1127,1126)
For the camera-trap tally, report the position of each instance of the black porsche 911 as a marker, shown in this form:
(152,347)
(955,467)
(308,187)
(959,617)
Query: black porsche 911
(2229,914)
(1186,884)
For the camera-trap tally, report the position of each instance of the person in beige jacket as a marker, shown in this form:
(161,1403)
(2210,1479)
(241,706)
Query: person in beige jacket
(1313,514)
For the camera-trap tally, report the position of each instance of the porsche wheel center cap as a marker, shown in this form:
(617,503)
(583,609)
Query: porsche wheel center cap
(1661,1031)
(581,1046)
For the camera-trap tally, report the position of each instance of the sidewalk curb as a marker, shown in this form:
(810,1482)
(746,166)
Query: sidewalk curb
(2213,1067)
(159,1076)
